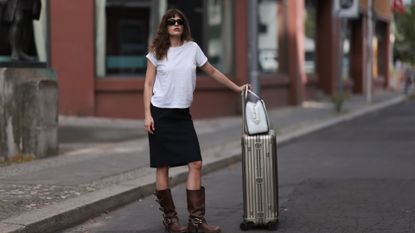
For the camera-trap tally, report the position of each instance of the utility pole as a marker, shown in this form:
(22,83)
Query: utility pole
(369,51)
(253,45)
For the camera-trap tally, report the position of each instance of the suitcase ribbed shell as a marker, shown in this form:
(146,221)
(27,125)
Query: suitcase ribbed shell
(260,178)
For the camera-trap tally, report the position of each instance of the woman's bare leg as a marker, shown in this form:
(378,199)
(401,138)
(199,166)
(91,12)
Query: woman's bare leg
(194,177)
(162,178)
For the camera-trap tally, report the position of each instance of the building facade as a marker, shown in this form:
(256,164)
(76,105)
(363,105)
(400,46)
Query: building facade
(98,48)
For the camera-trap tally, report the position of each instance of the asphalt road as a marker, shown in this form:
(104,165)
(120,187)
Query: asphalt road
(356,177)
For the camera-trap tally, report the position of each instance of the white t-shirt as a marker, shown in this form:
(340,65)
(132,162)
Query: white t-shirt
(176,75)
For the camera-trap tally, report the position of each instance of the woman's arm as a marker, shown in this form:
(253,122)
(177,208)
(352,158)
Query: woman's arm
(221,78)
(148,92)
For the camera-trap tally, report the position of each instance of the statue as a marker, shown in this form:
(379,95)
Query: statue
(19,14)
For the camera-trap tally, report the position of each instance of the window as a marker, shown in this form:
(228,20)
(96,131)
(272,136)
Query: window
(122,32)
(268,35)
(346,51)
(379,43)
(310,36)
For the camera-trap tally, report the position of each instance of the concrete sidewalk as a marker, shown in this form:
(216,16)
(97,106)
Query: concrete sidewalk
(104,163)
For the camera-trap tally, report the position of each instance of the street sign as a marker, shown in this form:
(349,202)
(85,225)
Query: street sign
(346,8)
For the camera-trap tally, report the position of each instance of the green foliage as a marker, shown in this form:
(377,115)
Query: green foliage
(338,100)
(18,158)
(405,34)
(310,19)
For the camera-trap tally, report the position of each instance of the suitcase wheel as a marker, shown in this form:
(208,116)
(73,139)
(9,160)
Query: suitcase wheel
(244,226)
(272,226)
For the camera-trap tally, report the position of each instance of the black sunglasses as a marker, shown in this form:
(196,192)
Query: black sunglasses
(171,22)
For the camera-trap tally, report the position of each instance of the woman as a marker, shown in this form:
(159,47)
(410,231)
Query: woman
(168,94)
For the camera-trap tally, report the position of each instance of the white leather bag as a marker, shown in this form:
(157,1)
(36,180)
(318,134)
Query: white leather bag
(255,115)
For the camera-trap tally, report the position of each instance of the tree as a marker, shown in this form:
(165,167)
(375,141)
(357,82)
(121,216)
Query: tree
(405,34)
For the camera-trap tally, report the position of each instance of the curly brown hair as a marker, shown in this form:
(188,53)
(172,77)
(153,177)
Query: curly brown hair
(161,42)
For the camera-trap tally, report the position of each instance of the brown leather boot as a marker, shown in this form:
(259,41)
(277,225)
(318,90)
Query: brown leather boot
(170,219)
(196,208)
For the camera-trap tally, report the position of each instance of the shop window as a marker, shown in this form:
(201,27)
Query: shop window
(37,40)
(310,36)
(122,32)
(346,51)
(379,46)
(268,35)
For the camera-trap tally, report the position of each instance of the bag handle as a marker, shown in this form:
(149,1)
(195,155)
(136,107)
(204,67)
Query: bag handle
(245,93)
(253,93)
(244,96)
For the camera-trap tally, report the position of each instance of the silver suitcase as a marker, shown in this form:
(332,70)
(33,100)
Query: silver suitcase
(260,180)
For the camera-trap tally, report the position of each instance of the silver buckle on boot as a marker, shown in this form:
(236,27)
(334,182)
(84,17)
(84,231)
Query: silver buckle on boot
(167,221)
(196,221)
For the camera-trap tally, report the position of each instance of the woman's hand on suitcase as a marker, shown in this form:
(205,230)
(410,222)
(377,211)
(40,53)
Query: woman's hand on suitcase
(149,124)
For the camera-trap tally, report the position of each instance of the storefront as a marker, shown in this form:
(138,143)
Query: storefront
(380,47)
(98,47)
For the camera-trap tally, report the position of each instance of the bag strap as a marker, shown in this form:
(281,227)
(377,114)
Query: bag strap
(244,95)
(253,93)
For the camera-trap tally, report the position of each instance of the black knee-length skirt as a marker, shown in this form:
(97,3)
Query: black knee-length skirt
(174,142)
